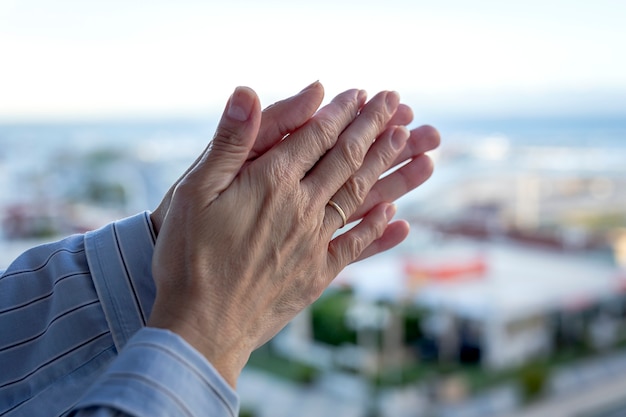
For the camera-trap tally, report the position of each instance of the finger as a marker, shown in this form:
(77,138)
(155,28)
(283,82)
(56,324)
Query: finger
(402,117)
(311,141)
(348,246)
(344,159)
(407,178)
(423,139)
(231,145)
(393,235)
(286,116)
(396,184)
(354,191)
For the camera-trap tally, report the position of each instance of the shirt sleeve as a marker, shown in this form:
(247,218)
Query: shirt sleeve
(159,374)
(67,309)
(119,256)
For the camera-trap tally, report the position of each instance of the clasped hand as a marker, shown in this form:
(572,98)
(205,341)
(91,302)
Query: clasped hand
(246,236)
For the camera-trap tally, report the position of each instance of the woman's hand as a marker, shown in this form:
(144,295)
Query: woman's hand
(247,240)
(287,115)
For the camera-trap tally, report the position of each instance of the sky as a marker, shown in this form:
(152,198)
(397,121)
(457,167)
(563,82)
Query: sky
(76,59)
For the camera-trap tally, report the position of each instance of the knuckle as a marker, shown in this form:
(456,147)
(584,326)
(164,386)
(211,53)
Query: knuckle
(277,175)
(278,171)
(356,246)
(307,216)
(353,154)
(380,118)
(386,155)
(357,188)
(348,102)
(360,242)
(377,118)
(324,131)
(227,134)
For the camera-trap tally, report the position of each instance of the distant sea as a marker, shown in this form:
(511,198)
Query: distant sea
(593,143)
(41,138)
(566,132)
(569,132)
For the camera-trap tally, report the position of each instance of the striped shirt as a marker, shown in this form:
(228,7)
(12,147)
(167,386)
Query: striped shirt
(68,308)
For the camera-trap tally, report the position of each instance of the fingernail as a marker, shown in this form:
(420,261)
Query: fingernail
(390,211)
(240,106)
(392,100)
(399,137)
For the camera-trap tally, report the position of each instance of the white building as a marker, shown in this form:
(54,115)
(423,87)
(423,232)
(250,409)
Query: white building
(507,294)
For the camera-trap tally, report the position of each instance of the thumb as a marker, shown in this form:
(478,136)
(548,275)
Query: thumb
(234,137)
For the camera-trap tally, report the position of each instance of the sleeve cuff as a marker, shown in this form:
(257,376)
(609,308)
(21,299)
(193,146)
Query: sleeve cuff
(120,261)
(158,373)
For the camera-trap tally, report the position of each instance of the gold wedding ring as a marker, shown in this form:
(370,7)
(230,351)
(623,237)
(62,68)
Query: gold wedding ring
(342,213)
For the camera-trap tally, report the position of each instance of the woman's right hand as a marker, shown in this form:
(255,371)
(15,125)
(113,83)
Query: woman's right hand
(247,240)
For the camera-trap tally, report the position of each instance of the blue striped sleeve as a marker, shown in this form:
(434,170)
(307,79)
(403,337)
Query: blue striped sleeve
(66,309)
(120,261)
(159,374)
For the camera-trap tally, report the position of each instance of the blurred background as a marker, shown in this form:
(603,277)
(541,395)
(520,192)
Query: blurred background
(509,296)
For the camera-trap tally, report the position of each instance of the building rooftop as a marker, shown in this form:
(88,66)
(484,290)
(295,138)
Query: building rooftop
(486,279)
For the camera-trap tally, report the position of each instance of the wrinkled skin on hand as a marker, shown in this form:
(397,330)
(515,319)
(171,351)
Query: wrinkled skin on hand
(246,237)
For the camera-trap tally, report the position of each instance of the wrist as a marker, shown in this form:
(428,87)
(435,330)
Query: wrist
(223,353)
